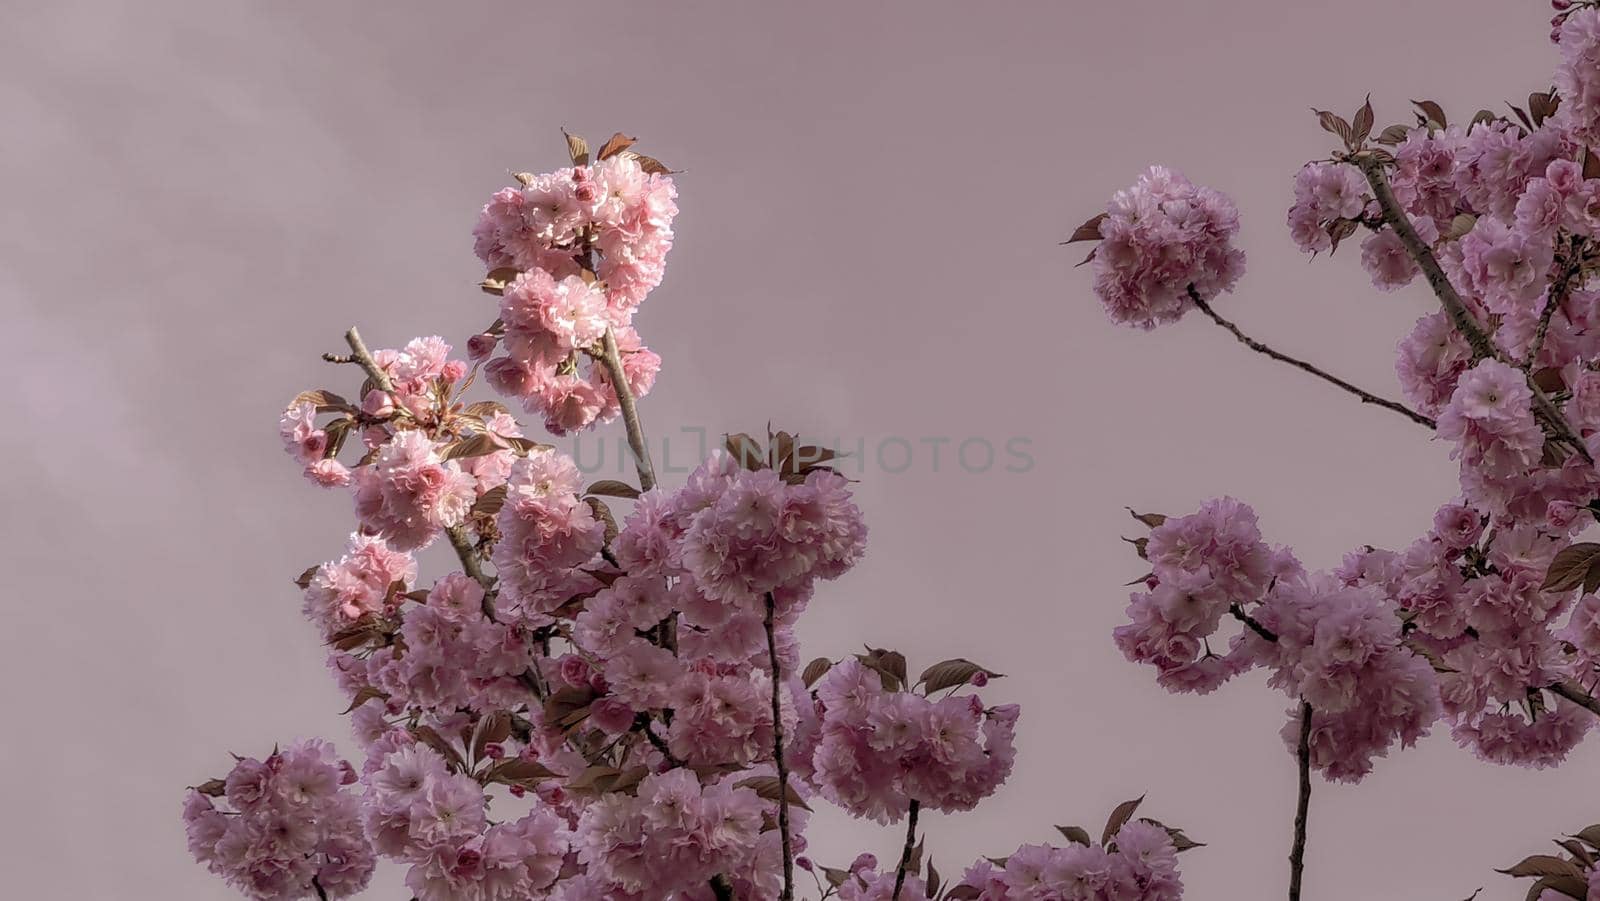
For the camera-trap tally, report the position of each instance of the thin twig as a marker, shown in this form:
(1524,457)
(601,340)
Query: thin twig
(905,853)
(1297,854)
(1248,620)
(777,755)
(630,414)
(321,892)
(1367,397)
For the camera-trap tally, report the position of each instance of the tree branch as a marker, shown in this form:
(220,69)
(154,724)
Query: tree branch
(1367,397)
(1255,626)
(1569,691)
(1297,854)
(905,853)
(1422,255)
(777,755)
(612,359)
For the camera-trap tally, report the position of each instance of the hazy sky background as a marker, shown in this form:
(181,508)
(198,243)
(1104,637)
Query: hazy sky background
(199,197)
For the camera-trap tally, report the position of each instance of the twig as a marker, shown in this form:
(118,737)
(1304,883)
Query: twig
(321,892)
(1255,626)
(777,755)
(630,414)
(1297,854)
(1367,397)
(469,563)
(905,853)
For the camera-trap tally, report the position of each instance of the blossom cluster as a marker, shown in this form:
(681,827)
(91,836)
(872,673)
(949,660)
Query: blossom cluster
(873,752)
(573,253)
(1160,239)
(1139,863)
(290,826)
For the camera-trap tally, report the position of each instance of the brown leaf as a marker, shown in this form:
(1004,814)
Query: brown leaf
(934,880)
(1579,853)
(1540,106)
(767,787)
(477,445)
(323,398)
(964,893)
(950,673)
(1119,816)
(615,145)
(498,280)
(649,164)
(1150,519)
(808,456)
(780,452)
(891,662)
(1482,116)
(746,450)
(1544,865)
(603,513)
(815,670)
(516,770)
(1362,123)
(837,877)
(1571,566)
(577,149)
(1075,834)
(486,408)
(1571,886)
(1432,114)
(1139,545)
(1088,231)
(490,502)
(612,488)
(1591,165)
(1394,134)
(1590,836)
(215,788)
(434,740)
(1335,124)
(525,446)
(594,777)
(1459,226)
(304,579)
(367,693)
(1180,842)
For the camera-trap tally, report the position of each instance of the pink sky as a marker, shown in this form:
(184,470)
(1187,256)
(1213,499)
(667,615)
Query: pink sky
(201,197)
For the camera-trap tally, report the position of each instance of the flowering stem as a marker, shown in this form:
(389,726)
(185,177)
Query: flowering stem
(361,356)
(630,414)
(777,755)
(1366,396)
(1422,255)
(905,853)
(1297,854)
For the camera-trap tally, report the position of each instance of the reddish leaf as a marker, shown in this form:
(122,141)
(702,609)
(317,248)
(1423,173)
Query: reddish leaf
(612,488)
(1362,123)
(1119,817)
(1432,113)
(950,673)
(1075,834)
(815,670)
(767,787)
(577,149)
(1571,566)
(1150,519)
(615,145)
(1088,231)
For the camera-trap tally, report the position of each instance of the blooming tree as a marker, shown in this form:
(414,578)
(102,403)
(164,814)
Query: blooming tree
(1489,624)
(589,706)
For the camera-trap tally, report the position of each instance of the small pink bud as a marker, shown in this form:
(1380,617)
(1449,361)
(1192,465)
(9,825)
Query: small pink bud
(979,679)
(494,750)
(347,773)
(803,862)
(377,404)
(518,791)
(1560,4)
(479,347)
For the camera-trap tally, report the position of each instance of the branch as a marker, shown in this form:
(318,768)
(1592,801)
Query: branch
(1256,627)
(777,754)
(1422,255)
(630,414)
(321,892)
(1297,854)
(905,853)
(1367,397)
(1570,692)
(363,358)
(469,564)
